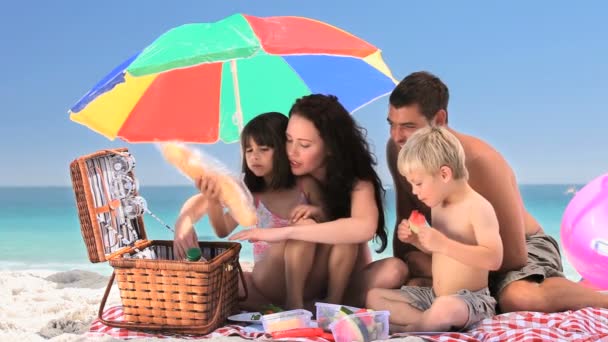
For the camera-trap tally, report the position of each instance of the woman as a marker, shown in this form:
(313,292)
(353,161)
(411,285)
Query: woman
(324,141)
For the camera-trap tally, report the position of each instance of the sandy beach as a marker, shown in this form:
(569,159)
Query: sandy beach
(40,305)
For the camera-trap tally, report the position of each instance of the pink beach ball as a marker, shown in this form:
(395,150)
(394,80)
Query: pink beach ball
(584,232)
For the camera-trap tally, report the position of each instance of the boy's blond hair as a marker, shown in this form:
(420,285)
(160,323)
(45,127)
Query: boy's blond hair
(429,149)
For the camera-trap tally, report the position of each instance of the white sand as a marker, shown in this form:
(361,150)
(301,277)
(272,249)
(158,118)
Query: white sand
(39,305)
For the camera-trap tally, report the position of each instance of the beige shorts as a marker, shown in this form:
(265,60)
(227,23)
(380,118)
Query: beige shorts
(544,261)
(481,305)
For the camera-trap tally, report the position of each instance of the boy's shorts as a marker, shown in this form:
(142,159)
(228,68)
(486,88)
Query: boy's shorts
(544,261)
(481,305)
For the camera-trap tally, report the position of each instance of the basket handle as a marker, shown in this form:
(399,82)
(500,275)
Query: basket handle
(242,277)
(183,329)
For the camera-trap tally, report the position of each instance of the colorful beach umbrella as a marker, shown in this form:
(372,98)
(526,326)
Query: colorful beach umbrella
(202,82)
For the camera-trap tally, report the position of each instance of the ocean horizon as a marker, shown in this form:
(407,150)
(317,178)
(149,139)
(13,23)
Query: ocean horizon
(40,229)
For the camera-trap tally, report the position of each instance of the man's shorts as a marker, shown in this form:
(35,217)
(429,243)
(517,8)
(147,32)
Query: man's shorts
(481,305)
(544,261)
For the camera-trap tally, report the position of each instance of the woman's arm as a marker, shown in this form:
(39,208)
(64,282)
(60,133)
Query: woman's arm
(359,227)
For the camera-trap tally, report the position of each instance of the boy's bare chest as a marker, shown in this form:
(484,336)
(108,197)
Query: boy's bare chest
(455,224)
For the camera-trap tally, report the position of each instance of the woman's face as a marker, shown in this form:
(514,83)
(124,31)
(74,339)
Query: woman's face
(305,148)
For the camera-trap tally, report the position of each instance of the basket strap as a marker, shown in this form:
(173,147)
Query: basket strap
(184,328)
(242,277)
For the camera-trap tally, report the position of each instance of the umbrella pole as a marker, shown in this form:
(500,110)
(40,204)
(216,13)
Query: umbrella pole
(237,96)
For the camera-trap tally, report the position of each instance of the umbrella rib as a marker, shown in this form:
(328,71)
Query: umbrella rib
(237,95)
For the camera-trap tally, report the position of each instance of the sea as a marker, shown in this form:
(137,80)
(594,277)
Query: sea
(40,229)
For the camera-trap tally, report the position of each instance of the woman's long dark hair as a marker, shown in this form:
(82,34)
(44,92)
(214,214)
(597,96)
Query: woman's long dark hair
(268,129)
(348,160)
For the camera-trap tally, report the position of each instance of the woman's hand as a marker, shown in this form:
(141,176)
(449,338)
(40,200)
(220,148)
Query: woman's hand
(305,211)
(262,234)
(185,237)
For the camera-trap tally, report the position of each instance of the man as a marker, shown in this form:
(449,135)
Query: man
(530,277)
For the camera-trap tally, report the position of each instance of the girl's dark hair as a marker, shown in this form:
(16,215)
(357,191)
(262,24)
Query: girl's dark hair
(268,129)
(348,160)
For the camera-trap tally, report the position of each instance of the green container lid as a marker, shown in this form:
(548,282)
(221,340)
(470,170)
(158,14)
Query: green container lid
(193,254)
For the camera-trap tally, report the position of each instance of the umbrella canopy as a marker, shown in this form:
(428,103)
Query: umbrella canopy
(202,82)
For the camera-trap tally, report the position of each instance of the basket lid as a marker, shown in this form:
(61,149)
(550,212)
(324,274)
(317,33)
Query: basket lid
(109,207)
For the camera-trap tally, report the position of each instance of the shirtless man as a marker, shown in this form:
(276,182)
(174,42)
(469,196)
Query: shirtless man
(464,241)
(530,277)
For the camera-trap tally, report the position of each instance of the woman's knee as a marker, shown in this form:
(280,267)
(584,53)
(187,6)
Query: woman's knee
(345,252)
(296,248)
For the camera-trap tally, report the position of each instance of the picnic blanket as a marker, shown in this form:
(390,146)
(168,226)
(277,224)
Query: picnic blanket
(588,324)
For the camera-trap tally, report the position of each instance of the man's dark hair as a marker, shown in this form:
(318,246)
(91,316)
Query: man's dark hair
(423,89)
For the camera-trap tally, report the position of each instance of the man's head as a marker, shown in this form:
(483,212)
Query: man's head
(431,159)
(417,101)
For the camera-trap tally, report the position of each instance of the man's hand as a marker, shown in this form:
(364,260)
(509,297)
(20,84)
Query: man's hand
(405,233)
(431,239)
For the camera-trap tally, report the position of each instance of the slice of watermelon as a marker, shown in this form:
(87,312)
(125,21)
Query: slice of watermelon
(417,220)
(350,328)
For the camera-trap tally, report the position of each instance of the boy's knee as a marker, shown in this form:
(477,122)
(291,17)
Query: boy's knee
(449,311)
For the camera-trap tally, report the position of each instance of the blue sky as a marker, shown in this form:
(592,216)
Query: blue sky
(526,76)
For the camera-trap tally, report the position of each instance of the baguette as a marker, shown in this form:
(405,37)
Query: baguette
(235,197)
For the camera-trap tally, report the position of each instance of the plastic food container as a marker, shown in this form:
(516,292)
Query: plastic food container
(329,313)
(286,320)
(361,327)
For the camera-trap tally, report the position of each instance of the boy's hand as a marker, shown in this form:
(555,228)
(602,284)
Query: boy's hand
(431,239)
(209,187)
(305,211)
(404,233)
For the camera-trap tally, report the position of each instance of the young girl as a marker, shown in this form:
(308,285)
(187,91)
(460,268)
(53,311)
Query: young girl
(280,199)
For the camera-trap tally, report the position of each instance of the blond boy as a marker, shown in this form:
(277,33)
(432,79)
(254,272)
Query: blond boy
(464,241)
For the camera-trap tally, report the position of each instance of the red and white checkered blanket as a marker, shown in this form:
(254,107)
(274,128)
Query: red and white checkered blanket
(589,324)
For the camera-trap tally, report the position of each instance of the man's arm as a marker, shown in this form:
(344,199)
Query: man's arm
(492,178)
(405,202)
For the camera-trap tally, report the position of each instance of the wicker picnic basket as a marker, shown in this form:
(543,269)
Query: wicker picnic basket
(157,292)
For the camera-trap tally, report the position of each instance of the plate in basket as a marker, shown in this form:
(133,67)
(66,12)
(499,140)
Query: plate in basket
(247,317)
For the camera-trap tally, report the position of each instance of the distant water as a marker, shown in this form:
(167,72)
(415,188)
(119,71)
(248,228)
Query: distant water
(39,227)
